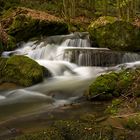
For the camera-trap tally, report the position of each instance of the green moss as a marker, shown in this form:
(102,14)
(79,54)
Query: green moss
(114,107)
(75,130)
(24,28)
(124,81)
(22,70)
(8,12)
(104,86)
(133,122)
(111,85)
(88,118)
(11,43)
(49,133)
(107,32)
(76,27)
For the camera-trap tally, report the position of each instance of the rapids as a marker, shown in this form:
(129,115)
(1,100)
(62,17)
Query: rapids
(73,62)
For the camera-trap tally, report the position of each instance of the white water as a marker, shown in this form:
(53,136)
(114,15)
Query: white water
(69,80)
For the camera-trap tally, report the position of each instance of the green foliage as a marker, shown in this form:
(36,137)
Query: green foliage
(21,70)
(90,8)
(6,4)
(54,7)
(102,21)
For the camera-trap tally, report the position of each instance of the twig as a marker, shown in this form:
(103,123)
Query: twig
(123,116)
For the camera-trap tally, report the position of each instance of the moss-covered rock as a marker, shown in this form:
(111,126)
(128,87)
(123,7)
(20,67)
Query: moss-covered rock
(24,28)
(112,85)
(7,42)
(23,24)
(20,70)
(107,32)
(11,44)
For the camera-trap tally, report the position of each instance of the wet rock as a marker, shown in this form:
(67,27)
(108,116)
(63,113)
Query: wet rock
(8,86)
(20,70)
(113,85)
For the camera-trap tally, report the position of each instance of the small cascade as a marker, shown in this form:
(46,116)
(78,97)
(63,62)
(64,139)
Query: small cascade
(76,42)
(98,56)
(58,67)
(42,53)
(130,57)
(73,48)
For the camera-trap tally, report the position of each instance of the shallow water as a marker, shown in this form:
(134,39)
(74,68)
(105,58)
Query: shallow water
(39,121)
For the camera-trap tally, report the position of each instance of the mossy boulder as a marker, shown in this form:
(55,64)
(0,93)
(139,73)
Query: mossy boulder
(24,28)
(9,45)
(112,85)
(21,24)
(115,34)
(20,70)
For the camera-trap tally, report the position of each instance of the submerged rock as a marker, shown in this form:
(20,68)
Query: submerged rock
(115,34)
(20,70)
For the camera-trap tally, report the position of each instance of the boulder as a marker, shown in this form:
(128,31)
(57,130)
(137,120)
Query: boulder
(115,34)
(20,70)
(114,84)
(24,24)
(24,28)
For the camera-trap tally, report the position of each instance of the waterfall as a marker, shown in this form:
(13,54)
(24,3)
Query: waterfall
(74,48)
(73,63)
(98,56)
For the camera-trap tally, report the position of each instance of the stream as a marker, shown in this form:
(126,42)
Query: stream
(73,64)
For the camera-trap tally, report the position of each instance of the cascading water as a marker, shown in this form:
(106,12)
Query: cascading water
(73,64)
